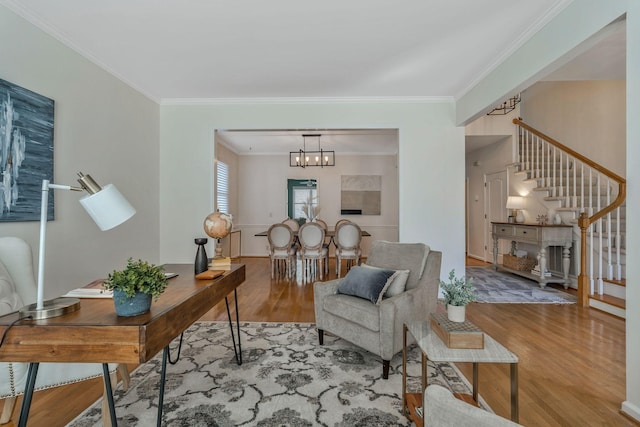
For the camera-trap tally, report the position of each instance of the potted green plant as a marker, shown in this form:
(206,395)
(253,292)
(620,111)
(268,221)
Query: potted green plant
(135,286)
(458,292)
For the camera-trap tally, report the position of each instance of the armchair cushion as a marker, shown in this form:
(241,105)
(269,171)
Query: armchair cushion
(398,284)
(10,301)
(368,283)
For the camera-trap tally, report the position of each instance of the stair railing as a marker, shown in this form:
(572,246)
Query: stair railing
(574,179)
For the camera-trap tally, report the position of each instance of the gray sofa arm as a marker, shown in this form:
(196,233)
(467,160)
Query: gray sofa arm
(441,408)
(321,290)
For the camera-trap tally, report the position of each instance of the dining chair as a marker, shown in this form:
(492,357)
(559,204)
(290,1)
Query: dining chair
(340,221)
(282,250)
(313,253)
(292,223)
(347,240)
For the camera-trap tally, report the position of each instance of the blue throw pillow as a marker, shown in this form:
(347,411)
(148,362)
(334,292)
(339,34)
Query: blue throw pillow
(367,283)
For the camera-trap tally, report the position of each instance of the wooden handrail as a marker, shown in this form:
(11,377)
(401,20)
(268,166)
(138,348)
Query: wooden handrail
(585,221)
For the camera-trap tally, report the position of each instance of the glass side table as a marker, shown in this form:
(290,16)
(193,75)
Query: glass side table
(433,348)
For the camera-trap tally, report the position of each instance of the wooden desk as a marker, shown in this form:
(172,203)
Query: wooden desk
(542,236)
(96,334)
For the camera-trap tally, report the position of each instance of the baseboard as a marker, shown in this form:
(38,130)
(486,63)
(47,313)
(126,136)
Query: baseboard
(631,411)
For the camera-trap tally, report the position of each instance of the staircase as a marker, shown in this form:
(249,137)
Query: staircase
(592,198)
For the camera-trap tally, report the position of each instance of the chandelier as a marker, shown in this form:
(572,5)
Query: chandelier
(303,158)
(506,107)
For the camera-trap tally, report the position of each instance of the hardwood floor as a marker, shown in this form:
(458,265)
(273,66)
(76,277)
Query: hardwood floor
(571,370)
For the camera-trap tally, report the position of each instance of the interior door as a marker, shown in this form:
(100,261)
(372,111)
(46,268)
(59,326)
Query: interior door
(495,210)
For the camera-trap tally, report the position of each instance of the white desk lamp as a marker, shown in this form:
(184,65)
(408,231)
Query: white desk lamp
(108,209)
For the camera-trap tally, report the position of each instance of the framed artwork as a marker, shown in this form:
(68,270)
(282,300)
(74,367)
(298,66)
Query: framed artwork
(26,152)
(360,194)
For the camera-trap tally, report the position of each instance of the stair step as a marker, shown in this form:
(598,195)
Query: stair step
(608,299)
(621,282)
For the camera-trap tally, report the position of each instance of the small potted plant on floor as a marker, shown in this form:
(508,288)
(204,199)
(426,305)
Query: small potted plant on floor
(458,292)
(135,286)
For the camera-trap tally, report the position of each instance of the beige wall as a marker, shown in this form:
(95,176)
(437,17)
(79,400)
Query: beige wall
(102,127)
(263,201)
(587,116)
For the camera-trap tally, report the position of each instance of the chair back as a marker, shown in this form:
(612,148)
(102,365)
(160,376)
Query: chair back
(280,236)
(348,236)
(400,256)
(321,223)
(340,221)
(292,223)
(15,254)
(311,236)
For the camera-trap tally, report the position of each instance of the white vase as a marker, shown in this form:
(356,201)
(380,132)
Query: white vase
(456,313)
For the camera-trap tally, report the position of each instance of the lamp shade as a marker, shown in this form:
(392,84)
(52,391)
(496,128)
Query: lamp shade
(515,202)
(108,208)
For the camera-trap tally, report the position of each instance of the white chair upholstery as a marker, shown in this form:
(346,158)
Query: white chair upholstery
(18,287)
(442,409)
(282,250)
(347,240)
(313,253)
(378,327)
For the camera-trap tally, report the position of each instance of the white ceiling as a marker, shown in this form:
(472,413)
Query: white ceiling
(202,51)
(205,49)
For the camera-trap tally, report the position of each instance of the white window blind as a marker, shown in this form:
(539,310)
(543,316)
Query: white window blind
(222,187)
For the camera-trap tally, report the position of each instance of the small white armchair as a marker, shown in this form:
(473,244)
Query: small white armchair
(17,286)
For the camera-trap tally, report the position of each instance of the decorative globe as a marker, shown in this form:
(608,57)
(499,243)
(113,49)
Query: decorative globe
(218,225)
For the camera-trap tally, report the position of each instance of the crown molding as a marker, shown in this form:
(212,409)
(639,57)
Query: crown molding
(310,100)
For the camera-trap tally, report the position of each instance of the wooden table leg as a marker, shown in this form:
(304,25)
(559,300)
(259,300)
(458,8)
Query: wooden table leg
(514,393)
(475,382)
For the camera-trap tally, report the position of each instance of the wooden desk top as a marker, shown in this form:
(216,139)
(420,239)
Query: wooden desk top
(96,334)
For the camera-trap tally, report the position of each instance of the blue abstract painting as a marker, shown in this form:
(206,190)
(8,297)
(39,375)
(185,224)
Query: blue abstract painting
(26,152)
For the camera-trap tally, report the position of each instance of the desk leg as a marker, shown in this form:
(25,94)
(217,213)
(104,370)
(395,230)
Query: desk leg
(28,393)
(237,350)
(514,393)
(475,382)
(163,376)
(109,390)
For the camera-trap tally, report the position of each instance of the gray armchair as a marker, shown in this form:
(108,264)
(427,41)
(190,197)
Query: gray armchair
(378,327)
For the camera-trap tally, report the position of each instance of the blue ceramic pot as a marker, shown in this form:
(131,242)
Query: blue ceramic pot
(131,306)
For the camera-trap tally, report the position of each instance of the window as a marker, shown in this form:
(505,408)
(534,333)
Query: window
(222,187)
(303,198)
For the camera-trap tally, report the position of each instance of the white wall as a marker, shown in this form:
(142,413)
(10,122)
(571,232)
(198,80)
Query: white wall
(263,183)
(431,175)
(632,405)
(587,116)
(102,127)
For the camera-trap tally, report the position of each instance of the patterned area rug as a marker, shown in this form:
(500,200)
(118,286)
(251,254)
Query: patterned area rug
(286,378)
(499,287)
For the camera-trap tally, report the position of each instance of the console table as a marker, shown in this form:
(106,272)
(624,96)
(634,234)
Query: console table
(95,334)
(542,236)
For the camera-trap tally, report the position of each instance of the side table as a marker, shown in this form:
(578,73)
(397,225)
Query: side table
(433,348)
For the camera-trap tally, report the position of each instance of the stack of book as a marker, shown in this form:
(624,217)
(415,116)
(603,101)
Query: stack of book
(536,271)
(220,263)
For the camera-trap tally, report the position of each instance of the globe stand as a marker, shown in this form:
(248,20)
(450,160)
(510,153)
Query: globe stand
(218,254)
